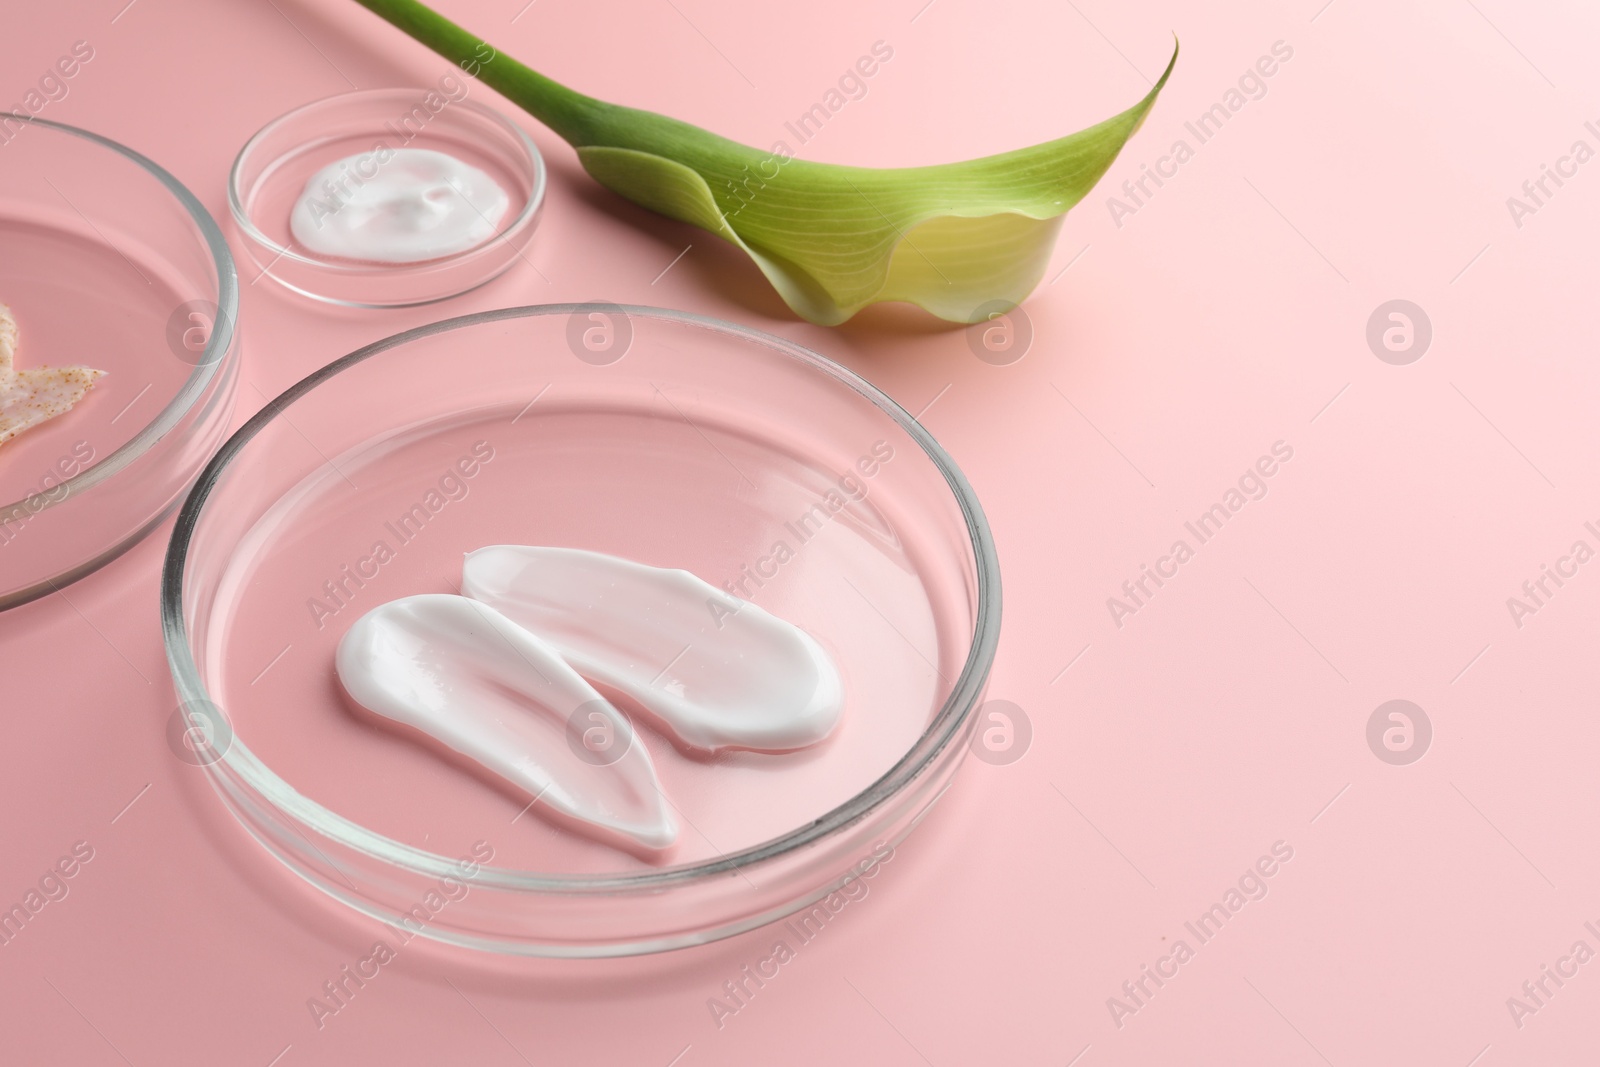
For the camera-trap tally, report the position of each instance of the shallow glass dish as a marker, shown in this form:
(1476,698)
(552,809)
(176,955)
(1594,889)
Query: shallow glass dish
(272,170)
(109,262)
(659,436)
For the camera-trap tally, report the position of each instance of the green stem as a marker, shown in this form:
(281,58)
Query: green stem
(570,114)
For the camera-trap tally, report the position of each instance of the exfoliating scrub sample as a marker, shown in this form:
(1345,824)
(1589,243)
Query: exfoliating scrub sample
(505,675)
(405,205)
(30,396)
(99,341)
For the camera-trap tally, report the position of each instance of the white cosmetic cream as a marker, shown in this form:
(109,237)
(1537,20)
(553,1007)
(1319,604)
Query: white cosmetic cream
(413,205)
(462,673)
(38,394)
(716,671)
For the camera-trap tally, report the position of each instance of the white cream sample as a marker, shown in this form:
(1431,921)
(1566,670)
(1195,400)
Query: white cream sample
(413,205)
(717,671)
(29,397)
(462,673)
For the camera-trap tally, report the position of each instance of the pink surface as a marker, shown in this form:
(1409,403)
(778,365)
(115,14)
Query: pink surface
(1169,754)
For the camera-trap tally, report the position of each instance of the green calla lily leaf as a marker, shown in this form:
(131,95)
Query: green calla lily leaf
(958,239)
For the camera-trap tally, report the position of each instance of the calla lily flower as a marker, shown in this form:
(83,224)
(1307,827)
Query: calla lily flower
(962,240)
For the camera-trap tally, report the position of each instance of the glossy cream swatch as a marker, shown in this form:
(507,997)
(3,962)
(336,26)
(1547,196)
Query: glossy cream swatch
(506,675)
(715,671)
(406,206)
(38,394)
(462,673)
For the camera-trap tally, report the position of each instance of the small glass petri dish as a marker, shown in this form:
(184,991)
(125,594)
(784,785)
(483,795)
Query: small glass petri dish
(659,436)
(272,171)
(109,263)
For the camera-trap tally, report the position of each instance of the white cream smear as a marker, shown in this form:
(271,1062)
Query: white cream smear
(716,671)
(462,673)
(412,205)
(505,677)
(39,394)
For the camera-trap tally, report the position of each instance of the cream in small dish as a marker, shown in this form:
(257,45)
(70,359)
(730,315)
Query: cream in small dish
(387,197)
(405,206)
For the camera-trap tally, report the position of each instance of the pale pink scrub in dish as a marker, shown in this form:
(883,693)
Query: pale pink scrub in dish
(38,394)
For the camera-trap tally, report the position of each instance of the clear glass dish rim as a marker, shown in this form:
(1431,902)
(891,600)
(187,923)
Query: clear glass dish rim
(921,756)
(247,226)
(211,359)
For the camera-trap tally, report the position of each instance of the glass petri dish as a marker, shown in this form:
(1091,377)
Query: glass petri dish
(274,166)
(110,263)
(659,436)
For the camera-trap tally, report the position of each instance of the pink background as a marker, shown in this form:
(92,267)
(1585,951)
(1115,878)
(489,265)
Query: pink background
(1170,352)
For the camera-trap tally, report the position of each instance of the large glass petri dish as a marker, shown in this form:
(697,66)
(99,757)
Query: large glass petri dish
(654,435)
